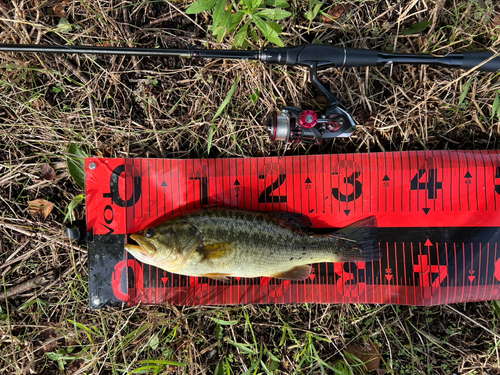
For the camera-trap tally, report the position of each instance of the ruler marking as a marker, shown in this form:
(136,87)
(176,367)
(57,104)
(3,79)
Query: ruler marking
(479,272)
(451,181)
(456,271)
(308,161)
(468,185)
(439,272)
(418,191)
(354,183)
(303,201)
(405,280)
(315,158)
(362,184)
(442,179)
(436,179)
(401,168)
(421,274)
(186,184)
(487,284)
(385,166)
(494,170)
(380,280)
(471,266)
(378,186)
(463,272)
(484,177)
(393,174)
(448,278)
(494,266)
(164,188)
(459,184)
(370,167)
(430,174)
(477,186)
(414,277)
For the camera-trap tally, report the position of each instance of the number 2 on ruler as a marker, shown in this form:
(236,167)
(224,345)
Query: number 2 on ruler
(271,170)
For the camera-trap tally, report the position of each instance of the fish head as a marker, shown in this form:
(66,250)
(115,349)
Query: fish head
(156,246)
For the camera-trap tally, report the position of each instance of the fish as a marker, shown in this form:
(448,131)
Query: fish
(221,242)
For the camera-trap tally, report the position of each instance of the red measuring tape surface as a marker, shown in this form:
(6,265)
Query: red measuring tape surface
(438,214)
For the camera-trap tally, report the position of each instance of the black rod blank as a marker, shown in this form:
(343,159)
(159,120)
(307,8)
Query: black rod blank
(305,55)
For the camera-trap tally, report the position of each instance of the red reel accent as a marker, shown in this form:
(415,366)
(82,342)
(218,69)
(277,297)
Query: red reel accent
(308,119)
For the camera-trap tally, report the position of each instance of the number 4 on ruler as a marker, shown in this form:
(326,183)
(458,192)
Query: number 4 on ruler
(430,174)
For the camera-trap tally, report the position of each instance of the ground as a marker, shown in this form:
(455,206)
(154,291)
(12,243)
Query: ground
(164,107)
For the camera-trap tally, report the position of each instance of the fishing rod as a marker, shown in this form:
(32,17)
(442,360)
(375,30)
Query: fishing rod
(293,124)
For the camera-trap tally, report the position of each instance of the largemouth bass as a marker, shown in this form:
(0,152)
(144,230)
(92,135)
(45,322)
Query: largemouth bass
(221,242)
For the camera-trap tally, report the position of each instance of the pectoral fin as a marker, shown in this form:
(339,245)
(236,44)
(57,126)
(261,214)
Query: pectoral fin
(296,273)
(215,250)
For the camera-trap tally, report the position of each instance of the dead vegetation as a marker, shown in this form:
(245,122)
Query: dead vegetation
(164,107)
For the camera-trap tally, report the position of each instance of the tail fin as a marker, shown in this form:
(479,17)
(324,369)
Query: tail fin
(359,241)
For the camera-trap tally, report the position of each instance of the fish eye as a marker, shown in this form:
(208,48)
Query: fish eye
(150,233)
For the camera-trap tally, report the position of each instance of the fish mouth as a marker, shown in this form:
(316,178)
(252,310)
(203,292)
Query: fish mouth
(144,247)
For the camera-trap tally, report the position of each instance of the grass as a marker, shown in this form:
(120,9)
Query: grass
(139,107)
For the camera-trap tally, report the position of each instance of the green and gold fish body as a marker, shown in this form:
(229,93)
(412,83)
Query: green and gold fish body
(223,242)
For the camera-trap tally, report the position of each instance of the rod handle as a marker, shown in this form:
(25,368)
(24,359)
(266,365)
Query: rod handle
(324,56)
(472,59)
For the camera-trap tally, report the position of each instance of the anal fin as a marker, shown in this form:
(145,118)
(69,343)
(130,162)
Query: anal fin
(295,273)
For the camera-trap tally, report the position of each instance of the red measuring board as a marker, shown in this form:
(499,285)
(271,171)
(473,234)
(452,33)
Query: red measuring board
(438,214)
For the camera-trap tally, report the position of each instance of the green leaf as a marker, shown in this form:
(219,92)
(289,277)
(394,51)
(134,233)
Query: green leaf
(210,137)
(228,98)
(218,13)
(219,370)
(64,26)
(268,30)
(465,90)
(275,26)
(76,164)
(244,348)
(27,304)
(253,4)
(314,8)
(254,97)
(72,205)
(235,20)
(277,3)
(255,37)
(154,342)
(241,36)
(496,107)
(416,28)
(200,5)
(161,362)
(225,322)
(261,25)
(225,24)
(275,14)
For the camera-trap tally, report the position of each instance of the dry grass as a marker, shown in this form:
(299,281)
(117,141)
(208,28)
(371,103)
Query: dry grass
(139,107)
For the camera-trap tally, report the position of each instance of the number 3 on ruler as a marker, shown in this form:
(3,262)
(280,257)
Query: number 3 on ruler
(350,171)
(347,284)
(272,170)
